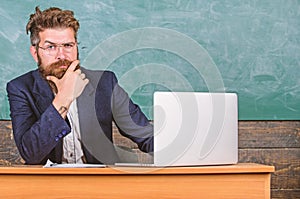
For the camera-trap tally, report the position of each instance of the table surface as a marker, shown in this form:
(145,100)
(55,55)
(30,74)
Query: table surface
(112,170)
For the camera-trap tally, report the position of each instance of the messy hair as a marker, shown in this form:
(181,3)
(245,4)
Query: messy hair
(50,18)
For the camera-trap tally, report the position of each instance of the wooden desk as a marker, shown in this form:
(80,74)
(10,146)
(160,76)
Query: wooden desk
(234,181)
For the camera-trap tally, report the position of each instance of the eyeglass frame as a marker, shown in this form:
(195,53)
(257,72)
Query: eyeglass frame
(57,46)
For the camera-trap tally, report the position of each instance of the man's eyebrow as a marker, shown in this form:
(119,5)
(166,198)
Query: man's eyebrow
(50,42)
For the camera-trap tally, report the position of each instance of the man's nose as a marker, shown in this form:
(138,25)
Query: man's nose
(60,53)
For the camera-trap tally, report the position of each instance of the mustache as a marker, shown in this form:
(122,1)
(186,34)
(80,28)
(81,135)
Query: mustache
(56,69)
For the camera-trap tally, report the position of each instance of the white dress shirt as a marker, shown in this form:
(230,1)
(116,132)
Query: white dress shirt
(72,149)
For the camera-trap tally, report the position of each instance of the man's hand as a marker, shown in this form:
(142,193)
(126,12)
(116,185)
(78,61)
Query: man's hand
(69,87)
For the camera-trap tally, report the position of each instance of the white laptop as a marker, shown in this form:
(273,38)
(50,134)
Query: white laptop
(194,128)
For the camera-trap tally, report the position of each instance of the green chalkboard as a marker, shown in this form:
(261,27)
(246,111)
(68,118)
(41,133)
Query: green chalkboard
(251,48)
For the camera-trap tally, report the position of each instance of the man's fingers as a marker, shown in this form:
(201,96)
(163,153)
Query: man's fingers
(86,81)
(82,76)
(78,71)
(72,67)
(52,78)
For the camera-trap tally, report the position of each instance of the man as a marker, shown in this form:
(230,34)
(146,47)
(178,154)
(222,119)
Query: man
(63,112)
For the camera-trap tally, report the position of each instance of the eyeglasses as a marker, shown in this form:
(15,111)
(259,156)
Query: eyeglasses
(52,48)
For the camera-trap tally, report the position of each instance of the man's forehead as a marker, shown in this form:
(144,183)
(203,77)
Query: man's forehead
(57,35)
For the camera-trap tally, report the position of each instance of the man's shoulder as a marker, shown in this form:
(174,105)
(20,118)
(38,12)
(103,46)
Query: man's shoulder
(97,74)
(25,78)
(93,71)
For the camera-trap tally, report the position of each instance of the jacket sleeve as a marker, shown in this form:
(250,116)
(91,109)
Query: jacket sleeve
(36,133)
(129,118)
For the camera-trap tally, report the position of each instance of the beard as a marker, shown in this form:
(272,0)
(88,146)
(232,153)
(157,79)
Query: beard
(55,69)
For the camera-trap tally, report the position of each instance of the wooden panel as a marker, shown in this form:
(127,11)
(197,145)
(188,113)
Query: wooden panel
(269,134)
(234,181)
(286,162)
(156,186)
(8,151)
(274,143)
(285,194)
(254,134)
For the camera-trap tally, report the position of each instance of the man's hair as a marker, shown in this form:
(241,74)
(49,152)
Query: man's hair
(51,18)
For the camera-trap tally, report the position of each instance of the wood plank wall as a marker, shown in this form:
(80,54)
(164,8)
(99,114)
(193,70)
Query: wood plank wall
(274,143)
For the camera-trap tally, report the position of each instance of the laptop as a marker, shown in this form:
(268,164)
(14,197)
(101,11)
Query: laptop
(194,128)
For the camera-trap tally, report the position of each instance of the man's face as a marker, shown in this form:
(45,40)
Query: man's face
(55,52)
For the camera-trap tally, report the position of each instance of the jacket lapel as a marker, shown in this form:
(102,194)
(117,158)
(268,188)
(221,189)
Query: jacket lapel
(93,138)
(42,92)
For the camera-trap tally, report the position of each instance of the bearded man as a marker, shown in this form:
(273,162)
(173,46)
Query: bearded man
(63,112)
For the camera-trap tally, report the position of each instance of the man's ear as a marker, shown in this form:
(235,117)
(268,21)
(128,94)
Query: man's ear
(33,52)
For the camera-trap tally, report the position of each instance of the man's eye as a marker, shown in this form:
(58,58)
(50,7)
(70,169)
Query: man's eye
(68,45)
(51,47)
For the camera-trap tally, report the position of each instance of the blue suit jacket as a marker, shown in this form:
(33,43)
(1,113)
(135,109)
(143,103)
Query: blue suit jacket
(39,129)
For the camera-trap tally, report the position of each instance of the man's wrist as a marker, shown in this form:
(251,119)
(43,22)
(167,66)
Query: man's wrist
(61,104)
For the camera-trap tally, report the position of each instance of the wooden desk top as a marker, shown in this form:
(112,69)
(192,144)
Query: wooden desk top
(242,180)
(223,169)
